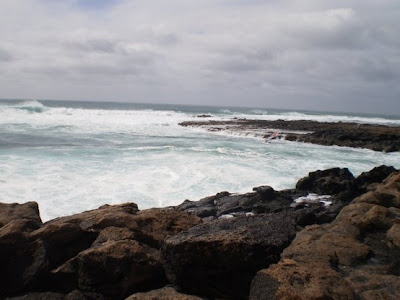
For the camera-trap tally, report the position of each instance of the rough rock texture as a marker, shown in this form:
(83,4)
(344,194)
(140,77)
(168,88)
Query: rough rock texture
(112,251)
(166,293)
(16,212)
(115,269)
(354,257)
(220,258)
(264,199)
(330,182)
(374,137)
(338,183)
(21,258)
(74,295)
(376,175)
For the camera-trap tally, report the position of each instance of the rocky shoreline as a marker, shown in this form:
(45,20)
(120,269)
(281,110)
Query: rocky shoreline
(340,239)
(374,137)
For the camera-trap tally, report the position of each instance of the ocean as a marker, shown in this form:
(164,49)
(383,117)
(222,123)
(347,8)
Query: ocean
(73,156)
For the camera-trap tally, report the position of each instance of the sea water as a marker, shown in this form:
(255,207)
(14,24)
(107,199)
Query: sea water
(74,156)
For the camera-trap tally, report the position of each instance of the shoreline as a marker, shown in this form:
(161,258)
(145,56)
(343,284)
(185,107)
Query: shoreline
(228,246)
(374,137)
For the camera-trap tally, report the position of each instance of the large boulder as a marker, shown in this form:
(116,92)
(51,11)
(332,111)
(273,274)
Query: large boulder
(111,251)
(22,259)
(376,175)
(335,181)
(354,257)
(218,259)
(15,212)
(115,269)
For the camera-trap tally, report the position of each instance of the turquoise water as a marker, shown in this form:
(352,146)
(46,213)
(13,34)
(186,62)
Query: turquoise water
(74,156)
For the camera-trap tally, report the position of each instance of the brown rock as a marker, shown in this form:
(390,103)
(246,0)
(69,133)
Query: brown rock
(115,269)
(393,234)
(111,250)
(327,244)
(309,280)
(22,259)
(166,293)
(154,225)
(16,212)
(354,257)
(95,220)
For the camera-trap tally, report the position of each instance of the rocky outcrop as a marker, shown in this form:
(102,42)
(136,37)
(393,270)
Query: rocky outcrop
(223,246)
(338,183)
(375,176)
(264,199)
(374,137)
(354,257)
(112,251)
(220,258)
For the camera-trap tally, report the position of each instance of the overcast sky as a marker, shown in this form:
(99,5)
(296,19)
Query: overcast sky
(338,55)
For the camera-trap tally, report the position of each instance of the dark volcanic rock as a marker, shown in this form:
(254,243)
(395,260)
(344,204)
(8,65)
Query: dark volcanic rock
(264,199)
(354,257)
(374,137)
(376,175)
(74,295)
(220,258)
(334,181)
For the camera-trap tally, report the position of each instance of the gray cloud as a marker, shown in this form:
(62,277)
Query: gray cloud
(301,54)
(5,56)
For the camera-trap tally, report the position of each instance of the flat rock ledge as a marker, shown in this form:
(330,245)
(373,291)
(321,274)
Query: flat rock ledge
(267,244)
(369,136)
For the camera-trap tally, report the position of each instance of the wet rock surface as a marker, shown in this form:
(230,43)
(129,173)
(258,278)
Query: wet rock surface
(226,246)
(374,137)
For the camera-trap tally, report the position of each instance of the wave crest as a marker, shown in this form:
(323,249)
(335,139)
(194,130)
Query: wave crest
(33,106)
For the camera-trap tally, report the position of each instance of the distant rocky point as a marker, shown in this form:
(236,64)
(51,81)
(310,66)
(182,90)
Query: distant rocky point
(374,137)
(334,236)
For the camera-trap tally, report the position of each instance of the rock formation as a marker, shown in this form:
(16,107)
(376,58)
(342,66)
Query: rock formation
(354,257)
(374,137)
(261,245)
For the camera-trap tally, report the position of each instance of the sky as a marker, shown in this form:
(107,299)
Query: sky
(295,54)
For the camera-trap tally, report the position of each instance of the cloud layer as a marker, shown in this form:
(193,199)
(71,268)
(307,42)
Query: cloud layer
(334,55)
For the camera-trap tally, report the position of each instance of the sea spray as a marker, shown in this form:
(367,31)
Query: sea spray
(74,156)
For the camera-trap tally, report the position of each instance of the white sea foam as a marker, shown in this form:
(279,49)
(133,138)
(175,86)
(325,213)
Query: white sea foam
(312,199)
(293,116)
(73,159)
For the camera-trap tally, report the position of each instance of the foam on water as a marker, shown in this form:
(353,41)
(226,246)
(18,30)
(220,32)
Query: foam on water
(71,158)
(293,116)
